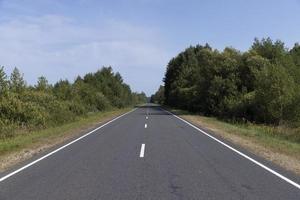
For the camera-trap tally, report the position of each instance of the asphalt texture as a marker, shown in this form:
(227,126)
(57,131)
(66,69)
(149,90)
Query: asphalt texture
(179,162)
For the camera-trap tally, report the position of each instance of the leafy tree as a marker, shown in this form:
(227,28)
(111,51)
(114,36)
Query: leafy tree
(40,106)
(269,50)
(260,85)
(159,96)
(295,53)
(63,90)
(274,91)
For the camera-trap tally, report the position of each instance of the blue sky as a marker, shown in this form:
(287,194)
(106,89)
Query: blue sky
(64,38)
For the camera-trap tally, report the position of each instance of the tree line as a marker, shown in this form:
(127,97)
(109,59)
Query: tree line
(29,107)
(261,85)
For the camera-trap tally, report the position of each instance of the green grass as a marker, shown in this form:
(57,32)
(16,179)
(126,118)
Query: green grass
(281,139)
(27,139)
(274,137)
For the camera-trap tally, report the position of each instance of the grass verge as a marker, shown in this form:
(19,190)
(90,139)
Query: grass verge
(271,143)
(27,144)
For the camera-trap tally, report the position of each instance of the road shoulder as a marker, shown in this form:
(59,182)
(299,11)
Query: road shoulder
(279,156)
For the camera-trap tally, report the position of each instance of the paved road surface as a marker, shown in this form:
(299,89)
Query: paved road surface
(165,159)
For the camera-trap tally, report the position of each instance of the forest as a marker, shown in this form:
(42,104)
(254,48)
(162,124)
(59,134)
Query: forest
(260,85)
(45,105)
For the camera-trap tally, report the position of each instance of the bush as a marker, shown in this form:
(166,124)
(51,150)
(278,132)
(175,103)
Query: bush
(14,110)
(27,107)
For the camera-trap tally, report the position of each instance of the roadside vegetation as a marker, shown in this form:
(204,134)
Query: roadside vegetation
(261,85)
(254,93)
(25,109)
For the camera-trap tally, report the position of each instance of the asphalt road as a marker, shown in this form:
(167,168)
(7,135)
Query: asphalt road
(165,159)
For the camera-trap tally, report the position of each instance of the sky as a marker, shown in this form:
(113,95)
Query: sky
(60,39)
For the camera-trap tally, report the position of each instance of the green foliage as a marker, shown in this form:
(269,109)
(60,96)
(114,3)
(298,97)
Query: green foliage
(42,84)
(273,51)
(17,83)
(260,85)
(274,91)
(63,90)
(23,113)
(159,96)
(44,105)
(295,53)
(3,82)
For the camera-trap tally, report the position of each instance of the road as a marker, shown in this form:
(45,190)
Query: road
(147,154)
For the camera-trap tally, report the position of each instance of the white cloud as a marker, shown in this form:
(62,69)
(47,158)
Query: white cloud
(60,47)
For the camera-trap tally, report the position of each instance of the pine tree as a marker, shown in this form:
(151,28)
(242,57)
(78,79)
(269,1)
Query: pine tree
(17,83)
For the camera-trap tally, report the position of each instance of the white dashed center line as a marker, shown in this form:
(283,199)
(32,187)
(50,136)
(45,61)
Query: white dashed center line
(142,152)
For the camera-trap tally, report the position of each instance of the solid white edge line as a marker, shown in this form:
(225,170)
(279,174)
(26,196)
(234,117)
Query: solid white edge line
(61,148)
(238,152)
(142,151)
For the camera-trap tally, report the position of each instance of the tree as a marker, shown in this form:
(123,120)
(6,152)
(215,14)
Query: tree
(159,96)
(273,51)
(3,82)
(274,92)
(17,83)
(260,85)
(43,105)
(295,53)
(42,84)
(63,89)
